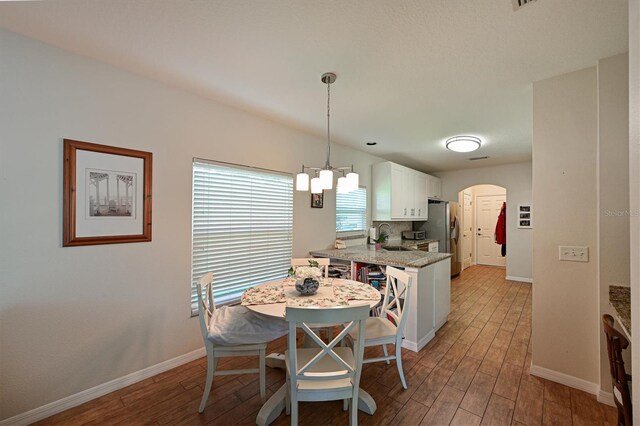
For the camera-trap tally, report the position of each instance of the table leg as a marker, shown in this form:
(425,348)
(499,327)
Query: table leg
(274,406)
(366,403)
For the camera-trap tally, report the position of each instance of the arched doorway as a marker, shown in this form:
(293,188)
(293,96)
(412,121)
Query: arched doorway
(480,206)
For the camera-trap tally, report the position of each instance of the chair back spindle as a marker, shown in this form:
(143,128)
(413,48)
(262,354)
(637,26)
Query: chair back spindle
(206,304)
(398,288)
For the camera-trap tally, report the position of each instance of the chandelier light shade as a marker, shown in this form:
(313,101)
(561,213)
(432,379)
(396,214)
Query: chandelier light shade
(463,143)
(353,181)
(342,187)
(326,179)
(323,176)
(302,182)
(316,185)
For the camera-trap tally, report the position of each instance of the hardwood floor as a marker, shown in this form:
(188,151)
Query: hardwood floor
(475,371)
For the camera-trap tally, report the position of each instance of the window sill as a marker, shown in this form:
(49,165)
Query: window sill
(350,235)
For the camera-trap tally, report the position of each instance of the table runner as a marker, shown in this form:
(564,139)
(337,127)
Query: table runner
(323,302)
(324,282)
(263,295)
(353,292)
(340,294)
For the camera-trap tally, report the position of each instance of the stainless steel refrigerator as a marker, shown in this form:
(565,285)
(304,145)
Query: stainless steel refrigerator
(443,225)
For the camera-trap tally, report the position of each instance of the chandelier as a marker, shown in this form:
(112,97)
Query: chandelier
(323,176)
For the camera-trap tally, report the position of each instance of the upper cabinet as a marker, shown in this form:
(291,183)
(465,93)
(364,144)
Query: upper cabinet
(419,198)
(399,193)
(434,187)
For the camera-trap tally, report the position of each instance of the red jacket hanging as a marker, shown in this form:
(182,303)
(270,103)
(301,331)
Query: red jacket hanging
(501,226)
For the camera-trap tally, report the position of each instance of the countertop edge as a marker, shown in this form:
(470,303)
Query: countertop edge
(427,260)
(620,301)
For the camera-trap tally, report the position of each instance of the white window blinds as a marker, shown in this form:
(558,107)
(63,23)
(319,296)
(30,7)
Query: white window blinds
(242,227)
(351,211)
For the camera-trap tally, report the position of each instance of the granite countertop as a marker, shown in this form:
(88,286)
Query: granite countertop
(412,244)
(620,299)
(368,254)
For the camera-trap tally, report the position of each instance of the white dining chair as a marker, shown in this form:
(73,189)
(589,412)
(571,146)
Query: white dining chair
(327,372)
(323,263)
(232,331)
(381,330)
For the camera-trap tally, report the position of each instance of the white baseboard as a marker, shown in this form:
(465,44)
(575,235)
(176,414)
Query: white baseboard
(71,401)
(519,279)
(416,346)
(565,379)
(606,398)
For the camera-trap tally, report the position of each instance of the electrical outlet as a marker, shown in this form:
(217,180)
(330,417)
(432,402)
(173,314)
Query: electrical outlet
(574,254)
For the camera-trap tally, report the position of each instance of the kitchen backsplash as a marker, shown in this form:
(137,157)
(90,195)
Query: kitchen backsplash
(394,230)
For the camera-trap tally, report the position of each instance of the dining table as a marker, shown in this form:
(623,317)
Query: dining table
(271,300)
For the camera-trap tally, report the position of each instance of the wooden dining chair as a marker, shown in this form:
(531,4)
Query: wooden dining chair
(323,263)
(616,343)
(388,328)
(207,311)
(327,372)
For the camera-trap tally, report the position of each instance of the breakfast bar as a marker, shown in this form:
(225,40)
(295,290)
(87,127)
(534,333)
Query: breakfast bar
(430,301)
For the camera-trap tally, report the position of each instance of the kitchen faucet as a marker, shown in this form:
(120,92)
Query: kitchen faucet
(380,229)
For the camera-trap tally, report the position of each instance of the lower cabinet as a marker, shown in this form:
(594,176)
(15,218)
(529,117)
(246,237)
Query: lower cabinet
(442,292)
(429,305)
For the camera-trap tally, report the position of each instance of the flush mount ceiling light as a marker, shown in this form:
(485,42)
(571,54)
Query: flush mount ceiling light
(323,176)
(463,143)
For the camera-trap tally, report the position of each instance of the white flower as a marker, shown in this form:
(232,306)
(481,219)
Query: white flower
(308,272)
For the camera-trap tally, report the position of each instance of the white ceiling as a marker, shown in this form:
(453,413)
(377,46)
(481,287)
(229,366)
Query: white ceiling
(410,72)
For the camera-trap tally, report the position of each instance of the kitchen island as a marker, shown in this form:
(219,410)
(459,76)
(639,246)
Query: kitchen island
(430,273)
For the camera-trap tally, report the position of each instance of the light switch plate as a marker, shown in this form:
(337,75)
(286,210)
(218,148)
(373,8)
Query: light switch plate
(574,253)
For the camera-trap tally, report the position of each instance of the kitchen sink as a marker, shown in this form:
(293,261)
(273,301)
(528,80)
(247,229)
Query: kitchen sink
(396,248)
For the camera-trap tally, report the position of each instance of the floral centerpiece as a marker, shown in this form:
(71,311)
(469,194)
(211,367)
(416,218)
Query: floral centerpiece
(307,278)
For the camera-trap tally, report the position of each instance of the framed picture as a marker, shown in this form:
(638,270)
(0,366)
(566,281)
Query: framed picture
(317,200)
(106,194)
(525,216)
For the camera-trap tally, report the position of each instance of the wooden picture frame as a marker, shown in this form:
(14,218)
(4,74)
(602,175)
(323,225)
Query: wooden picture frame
(92,213)
(317,200)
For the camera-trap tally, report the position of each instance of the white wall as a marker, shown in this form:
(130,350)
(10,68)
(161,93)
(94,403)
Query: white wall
(634,188)
(516,178)
(613,188)
(74,318)
(488,190)
(613,170)
(580,175)
(565,300)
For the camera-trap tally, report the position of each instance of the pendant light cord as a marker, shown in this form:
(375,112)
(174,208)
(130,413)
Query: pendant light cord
(328,164)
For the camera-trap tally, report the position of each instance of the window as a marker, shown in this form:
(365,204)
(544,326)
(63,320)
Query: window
(351,211)
(242,224)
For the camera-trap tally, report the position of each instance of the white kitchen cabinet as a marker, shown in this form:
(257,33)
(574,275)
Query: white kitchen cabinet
(441,292)
(399,193)
(434,187)
(419,198)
